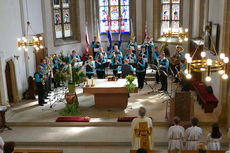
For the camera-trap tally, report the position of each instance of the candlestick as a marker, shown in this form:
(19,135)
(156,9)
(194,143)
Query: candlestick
(92,85)
(87,83)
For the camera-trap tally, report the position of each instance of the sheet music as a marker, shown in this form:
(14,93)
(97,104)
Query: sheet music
(78,64)
(132,47)
(131,61)
(146,59)
(96,49)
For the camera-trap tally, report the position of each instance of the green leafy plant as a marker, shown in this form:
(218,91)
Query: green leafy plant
(71,110)
(60,76)
(129,83)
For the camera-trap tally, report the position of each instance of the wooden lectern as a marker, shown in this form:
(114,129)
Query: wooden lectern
(183,107)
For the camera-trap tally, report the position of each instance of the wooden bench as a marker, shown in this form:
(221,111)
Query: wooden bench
(183,151)
(37,151)
(207,100)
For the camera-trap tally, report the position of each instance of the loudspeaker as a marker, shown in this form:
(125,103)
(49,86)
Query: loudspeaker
(183,105)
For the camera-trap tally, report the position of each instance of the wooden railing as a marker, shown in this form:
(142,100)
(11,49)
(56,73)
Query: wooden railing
(183,151)
(37,151)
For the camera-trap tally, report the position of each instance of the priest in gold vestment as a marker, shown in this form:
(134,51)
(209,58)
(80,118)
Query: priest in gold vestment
(142,132)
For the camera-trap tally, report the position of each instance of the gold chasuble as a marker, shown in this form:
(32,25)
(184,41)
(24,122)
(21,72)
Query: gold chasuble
(142,134)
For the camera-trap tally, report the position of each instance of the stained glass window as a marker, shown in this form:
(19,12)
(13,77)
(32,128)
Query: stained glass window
(170,15)
(61,9)
(114,14)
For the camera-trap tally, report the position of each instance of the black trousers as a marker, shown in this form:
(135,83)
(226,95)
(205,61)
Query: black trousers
(164,81)
(56,83)
(100,74)
(41,93)
(89,75)
(157,77)
(150,57)
(115,73)
(140,79)
(173,67)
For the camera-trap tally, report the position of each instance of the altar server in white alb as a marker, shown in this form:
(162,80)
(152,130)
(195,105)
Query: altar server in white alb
(135,125)
(176,135)
(193,135)
(214,138)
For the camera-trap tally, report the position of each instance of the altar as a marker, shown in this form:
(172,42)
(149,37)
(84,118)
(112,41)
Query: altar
(109,94)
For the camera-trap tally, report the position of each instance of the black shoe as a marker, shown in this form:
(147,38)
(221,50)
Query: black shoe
(176,81)
(157,82)
(40,104)
(46,98)
(51,90)
(44,102)
(161,89)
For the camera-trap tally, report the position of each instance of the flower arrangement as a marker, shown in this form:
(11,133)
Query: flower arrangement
(129,83)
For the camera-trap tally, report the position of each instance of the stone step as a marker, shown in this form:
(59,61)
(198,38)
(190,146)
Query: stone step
(82,136)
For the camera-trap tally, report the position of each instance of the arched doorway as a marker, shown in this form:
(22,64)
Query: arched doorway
(9,83)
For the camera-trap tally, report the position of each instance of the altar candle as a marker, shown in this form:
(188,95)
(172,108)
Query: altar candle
(70,72)
(92,82)
(87,82)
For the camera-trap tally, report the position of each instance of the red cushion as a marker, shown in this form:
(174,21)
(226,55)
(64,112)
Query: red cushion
(73,119)
(126,119)
(210,98)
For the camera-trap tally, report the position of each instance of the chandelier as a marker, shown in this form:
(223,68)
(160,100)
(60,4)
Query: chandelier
(180,34)
(206,64)
(24,42)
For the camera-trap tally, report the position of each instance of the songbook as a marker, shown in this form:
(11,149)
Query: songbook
(103,66)
(132,47)
(145,59)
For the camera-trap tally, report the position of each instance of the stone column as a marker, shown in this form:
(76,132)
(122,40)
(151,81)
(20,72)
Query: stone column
(224,103)
(156,19)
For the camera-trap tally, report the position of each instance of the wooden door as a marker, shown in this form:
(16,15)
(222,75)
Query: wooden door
(9,83)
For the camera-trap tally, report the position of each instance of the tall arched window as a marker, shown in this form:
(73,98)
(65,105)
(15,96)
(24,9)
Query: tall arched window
(114,13)
(62,22)
(170,16)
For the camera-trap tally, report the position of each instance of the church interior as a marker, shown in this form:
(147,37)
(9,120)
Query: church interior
(106,76)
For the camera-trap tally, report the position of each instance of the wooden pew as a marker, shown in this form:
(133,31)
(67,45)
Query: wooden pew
(37,151)
(183,151)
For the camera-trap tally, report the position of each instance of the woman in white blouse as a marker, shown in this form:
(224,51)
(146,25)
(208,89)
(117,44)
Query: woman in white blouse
(214,138)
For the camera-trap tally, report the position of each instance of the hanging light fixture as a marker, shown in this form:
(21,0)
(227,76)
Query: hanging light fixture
(206,64)
(24,42)
(181,35)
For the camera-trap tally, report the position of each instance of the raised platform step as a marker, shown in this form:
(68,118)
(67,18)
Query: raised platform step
(85,136)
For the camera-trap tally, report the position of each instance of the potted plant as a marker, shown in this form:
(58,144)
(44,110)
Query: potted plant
(129,83)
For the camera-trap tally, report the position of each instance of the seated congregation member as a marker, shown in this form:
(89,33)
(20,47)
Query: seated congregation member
(74,58)
(176,135)
(9,147)
(114,50)
(1,144)
(116,61)
(163,68)
(148,44)
(95,45)
(132,44)
(193,135)
(140,71)
(90,67)
(99,67)
(131,56)
(126,69)
(56,68)
(39,79)
(214,138)
(101,52)
(156,59)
